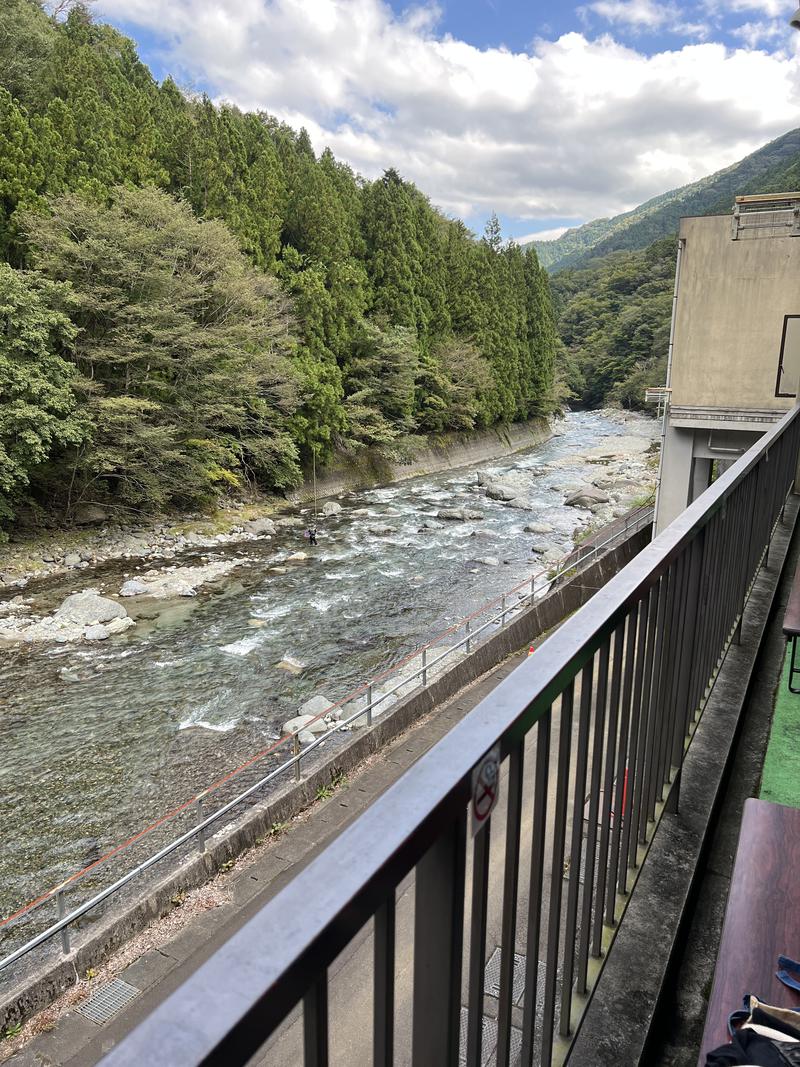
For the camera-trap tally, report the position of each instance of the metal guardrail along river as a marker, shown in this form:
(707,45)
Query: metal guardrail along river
(617,698)
(367,700)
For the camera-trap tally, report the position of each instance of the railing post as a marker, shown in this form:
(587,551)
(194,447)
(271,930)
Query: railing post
(468,627)
(296,751)
(201,834)
(438,937)
(503,615)
(424,667)
(62,911)
(533,587)
(369,704)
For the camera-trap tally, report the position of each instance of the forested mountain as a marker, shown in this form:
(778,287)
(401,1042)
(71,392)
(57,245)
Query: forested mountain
(766,170)
(614,306)
(192,301)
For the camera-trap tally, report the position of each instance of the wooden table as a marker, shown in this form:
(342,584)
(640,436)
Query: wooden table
(762,919)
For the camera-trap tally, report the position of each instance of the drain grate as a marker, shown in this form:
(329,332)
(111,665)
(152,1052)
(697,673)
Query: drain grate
(492,976)
(106,1001)
(489,1043)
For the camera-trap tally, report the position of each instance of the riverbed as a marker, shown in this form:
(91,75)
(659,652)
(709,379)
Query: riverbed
(98,740)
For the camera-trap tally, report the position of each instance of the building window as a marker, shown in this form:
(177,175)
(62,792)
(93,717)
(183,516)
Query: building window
(789,362)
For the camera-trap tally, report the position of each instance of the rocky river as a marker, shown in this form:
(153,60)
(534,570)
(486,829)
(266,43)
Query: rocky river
(108,722)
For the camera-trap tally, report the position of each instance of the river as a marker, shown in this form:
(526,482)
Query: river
(137,724)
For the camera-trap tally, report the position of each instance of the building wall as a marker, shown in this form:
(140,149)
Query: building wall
(732,300)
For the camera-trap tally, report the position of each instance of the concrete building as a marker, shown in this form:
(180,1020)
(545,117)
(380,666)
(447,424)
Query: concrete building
(734,359)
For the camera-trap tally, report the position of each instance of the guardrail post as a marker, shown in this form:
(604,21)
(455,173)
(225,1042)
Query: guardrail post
(468,627)
(533,587)
(62,911)
(369,704)
(201,834)
(424,667)
(296,750)
(503,615)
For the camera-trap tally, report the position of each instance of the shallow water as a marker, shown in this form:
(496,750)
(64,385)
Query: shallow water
(157,714)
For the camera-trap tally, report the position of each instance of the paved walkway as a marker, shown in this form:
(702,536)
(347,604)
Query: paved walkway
(76,1041)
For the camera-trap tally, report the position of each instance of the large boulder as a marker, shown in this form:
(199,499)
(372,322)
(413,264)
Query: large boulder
(330,507)
(83,609)
(538,528)
(498,491)
(381,530)
(90,515)
(289,520)
(259,527)
(317,705)
(459,514)
(586,497)
(305,722)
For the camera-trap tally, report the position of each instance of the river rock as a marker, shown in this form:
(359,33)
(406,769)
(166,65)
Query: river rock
(133,587)
(542,547)
(538,528)
(90,515)
(586,497)
(259,527)
(179,581)
(86,608)
(330,507)
(297,557)
(98,632)
(278,570)
(292,665)
(431,524)
(459,514)
(305,737)
(72,559)
(119,626)
(317,705)
(498,491)
(489,561)
(380,530)
(304,722)
(520,503)
(289,520)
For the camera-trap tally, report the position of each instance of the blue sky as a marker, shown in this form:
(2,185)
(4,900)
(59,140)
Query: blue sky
(547,113)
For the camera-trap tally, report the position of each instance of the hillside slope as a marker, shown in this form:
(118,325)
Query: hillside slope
(769,169)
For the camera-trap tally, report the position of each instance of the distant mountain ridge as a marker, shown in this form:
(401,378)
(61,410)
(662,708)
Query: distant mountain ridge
(773,168)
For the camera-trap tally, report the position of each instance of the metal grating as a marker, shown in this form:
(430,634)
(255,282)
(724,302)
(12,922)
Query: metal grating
(489,1043)
(491,979)
(106,1001)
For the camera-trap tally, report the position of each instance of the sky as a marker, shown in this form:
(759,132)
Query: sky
(548,113)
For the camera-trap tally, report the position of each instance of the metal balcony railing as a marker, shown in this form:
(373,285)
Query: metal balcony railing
(591,734)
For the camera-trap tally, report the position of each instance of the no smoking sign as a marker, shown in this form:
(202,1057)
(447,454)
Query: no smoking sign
(485,788)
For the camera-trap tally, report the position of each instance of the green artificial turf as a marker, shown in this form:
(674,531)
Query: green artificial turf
(780,780)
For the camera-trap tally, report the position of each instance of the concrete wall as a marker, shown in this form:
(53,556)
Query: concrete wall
(729,319)
(447,452)
(132,914)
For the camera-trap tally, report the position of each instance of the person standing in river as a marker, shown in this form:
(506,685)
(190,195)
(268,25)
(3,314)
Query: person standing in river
(311,535)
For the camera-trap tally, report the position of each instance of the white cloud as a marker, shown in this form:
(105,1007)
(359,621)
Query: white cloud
(761,32)
(646,15)
(771,8)
(576,128)
(543,235)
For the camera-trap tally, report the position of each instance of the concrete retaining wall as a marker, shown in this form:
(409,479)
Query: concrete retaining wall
(111,931)
(448,452)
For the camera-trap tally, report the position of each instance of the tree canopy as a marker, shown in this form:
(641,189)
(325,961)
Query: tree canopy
(231,301)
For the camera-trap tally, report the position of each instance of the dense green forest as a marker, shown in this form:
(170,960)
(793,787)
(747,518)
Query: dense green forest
(613,317)
(193,302)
